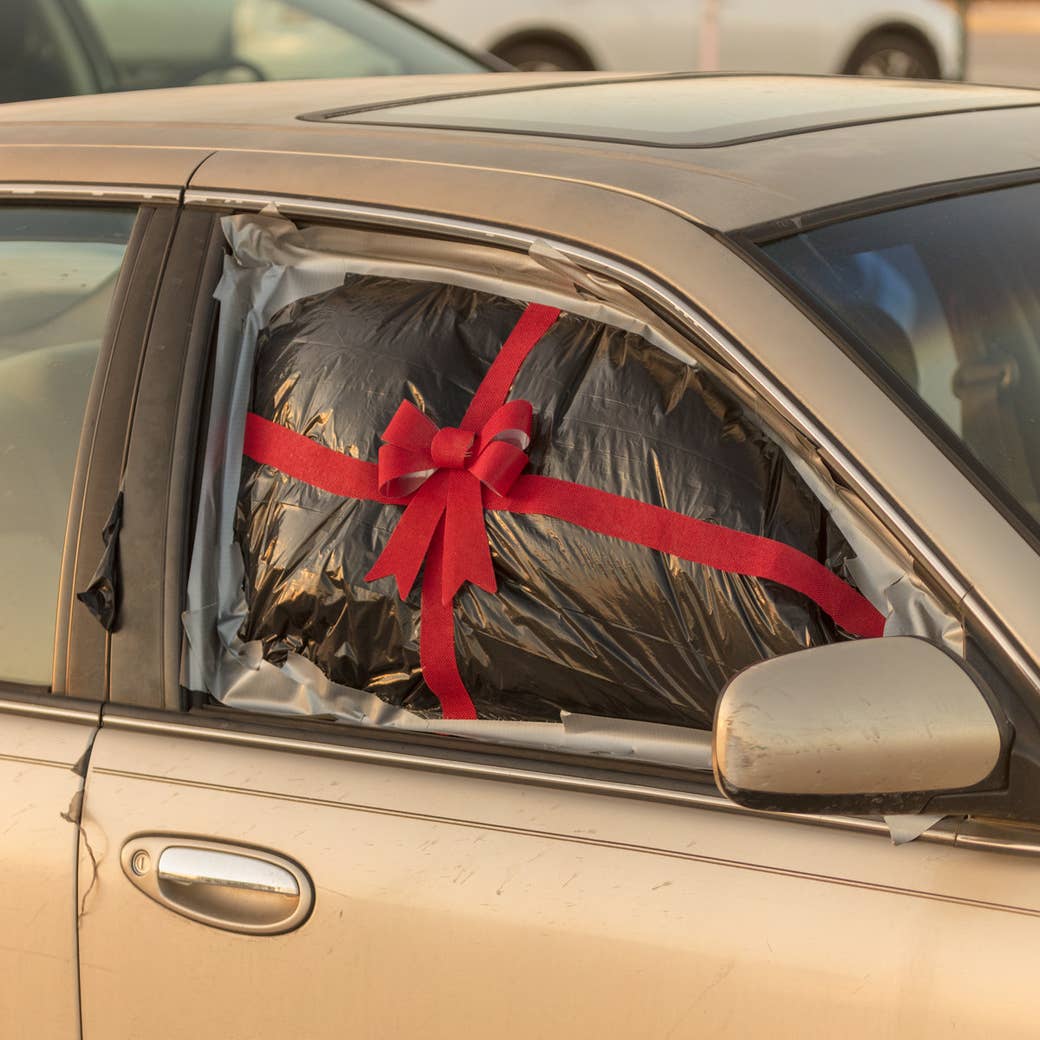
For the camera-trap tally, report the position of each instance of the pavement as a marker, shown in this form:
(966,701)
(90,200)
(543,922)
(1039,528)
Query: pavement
(1004,42)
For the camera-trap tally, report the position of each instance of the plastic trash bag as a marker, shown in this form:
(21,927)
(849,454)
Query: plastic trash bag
(580,622)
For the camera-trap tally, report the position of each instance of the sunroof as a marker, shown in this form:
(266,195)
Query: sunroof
(687,112)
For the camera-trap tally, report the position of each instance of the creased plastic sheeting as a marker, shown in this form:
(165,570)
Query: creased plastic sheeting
(272,264)
(580,622)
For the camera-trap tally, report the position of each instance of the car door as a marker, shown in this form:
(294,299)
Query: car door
(70,275)
(249,876)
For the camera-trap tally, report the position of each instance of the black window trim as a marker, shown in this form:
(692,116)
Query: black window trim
(87,644)
(145,649)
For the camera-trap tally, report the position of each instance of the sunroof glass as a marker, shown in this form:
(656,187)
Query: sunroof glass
(693,111)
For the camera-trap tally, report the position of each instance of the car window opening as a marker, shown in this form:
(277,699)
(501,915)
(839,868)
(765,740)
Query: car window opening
(541,604)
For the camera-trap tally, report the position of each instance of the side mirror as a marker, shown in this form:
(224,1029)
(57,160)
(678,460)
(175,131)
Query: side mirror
(869,727)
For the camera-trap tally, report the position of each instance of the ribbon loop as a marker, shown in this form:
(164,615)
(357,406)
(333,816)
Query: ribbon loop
(498,466)
(410,429)
(510,423)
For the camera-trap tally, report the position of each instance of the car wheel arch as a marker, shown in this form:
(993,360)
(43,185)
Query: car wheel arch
(892,28)
(545,35)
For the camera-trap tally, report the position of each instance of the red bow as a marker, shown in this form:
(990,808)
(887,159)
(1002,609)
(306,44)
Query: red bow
(442,473)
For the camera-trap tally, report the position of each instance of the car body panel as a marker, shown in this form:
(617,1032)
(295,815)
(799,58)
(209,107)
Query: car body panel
(726,188)
(451,905)
(151,167)
(40,748)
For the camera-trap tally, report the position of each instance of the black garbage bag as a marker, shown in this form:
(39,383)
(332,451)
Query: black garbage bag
(581,621)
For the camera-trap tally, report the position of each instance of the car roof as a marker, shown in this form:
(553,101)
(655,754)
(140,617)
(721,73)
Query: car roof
(726,151)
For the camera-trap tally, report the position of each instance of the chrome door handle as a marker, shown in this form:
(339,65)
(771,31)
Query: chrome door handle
(225,886)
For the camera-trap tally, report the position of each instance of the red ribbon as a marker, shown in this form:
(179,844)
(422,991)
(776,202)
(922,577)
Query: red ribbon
(442,474)
(446,479)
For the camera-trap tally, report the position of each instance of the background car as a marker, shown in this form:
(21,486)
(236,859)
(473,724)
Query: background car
(51,48)
(916,38)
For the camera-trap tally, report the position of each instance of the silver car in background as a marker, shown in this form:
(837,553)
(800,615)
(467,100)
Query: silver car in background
(912,39)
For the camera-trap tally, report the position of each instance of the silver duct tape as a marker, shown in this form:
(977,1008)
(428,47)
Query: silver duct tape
(905,828)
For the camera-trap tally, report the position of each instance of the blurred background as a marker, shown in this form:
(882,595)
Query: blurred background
(50,48)
(1004,42)
(999,39)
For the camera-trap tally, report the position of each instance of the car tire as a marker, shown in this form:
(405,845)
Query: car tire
(893,54)
(542,56)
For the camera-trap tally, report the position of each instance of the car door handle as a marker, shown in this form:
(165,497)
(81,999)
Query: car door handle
(232,887)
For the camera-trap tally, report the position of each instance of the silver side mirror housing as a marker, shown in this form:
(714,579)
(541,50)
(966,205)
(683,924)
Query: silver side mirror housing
(867,727)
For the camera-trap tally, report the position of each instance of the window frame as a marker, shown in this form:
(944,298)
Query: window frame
(159,467)
(149,697)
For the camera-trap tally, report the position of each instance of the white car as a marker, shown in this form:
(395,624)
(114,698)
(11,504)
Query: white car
(912,38)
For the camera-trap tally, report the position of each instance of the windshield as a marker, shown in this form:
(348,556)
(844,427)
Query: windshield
(155,43)
(945,296)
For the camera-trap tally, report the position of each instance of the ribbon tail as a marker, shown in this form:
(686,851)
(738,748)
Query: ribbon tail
(403,554)
(467,556)
(437,639)
(711,545)
(534,323)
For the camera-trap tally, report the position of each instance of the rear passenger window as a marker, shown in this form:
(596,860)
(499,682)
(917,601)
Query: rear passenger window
(58,268)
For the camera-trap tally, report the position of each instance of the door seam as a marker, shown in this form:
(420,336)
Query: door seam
(74,815)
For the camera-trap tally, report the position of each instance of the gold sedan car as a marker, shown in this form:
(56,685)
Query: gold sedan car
(218,825)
